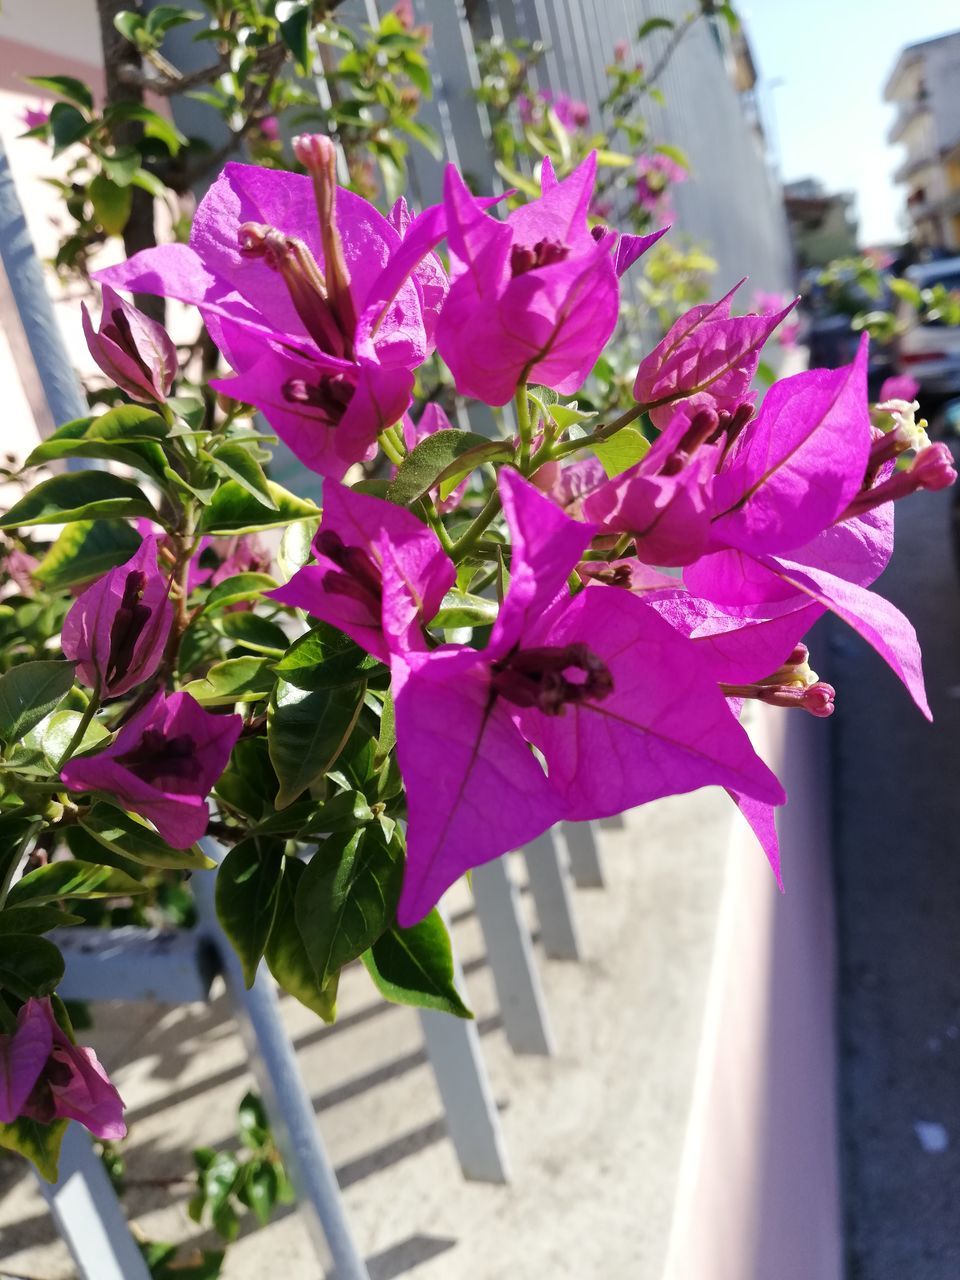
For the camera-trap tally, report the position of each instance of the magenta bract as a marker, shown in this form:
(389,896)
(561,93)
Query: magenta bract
(162,765)
(44,1076)
(133,351)
(534,297)
(358,537)
(116,630)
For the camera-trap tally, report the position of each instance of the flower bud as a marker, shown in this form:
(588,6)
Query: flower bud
(117,630)
(134,351)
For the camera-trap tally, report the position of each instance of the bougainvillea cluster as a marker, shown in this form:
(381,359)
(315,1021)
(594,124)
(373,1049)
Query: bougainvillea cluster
(473,637)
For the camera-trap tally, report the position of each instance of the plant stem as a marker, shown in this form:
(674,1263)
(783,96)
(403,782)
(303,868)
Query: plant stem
(90,711)
(464,545)
(523,423)
(436,524)
(390,449)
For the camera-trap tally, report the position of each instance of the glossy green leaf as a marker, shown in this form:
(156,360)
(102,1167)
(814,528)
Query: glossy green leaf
(415,966)
(55,734)
(622,450)
(252,632)
(29,692)
(68,125)
(345,811)
(325,658)
(306,733)
(286,955)
(33,919)
(85,550)
(295,22)
(16,832)
(233,680)
(121,166)
(29,966)
(67,87)
(38,1143)
(247,895)
(347,897)
(111,203)
(234,462)
(654,24)
(445,456)
(71,878)
(126,834)
(294,549)
(154,125)
(249,782)
(78,495)
(240,587)
(234,510)
(461,609)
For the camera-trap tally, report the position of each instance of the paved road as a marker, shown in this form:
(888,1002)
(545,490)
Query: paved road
(898,871)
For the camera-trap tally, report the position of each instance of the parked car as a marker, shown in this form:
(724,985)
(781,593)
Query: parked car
(930,351)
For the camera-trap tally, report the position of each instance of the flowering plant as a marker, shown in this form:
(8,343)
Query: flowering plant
(473,639)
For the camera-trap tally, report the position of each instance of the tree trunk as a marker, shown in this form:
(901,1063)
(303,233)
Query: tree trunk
(140,232)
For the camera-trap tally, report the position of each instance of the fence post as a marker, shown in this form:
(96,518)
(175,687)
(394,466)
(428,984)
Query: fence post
(88,1216)
(274,1064)
(549,884)
(453,1047)
(511,958)
(585,865)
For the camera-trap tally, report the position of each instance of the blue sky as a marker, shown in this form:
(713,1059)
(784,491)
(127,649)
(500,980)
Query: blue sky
(828,116)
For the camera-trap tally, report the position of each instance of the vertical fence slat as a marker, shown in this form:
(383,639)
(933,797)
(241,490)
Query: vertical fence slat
(88,1215)
(585,865)
(274,1064)
(453,1047)
(550,886)
(512,960)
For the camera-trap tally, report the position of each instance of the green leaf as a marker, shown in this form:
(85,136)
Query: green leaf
(29,966)
(128,835)
(262,1189)
(128,434)
(66,87)
(614,159)
(444,456)
(246,895)
(343,812)
(461,609)
(249,782)
(252,632)
(235,462)
(85,550)
(111,204)
(68,125)
(72,879)
(121,165)
(415,966)
(31,919)
(234,510)
(252,1121)
(167,16)
(55,734)
(906,290)
(130,25)
(676,154)
(306,733)
(295,546)
(295,24)
(233,680)
(654,24)
(29,693)
(150,183)
(325,658)
(622,451)
(733,20)
(286,955)
(155,125)
(347,896)
(568,415)
(39,1143)
(242,586)
(16,832)
(78,495)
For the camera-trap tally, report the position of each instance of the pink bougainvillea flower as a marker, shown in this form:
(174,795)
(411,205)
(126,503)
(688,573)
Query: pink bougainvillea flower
(655,175)
(116,631)
(134,351)
(44,1076)
(900,387)
(358,537)
(608,693)
(708,353)
(162,765)
(320,304)
(533,297)
(35,117)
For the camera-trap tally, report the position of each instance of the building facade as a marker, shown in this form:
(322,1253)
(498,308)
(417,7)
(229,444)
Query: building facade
(925,85)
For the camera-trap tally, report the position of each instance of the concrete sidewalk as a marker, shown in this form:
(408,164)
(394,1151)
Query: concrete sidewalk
(595,1134)
(897,824)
